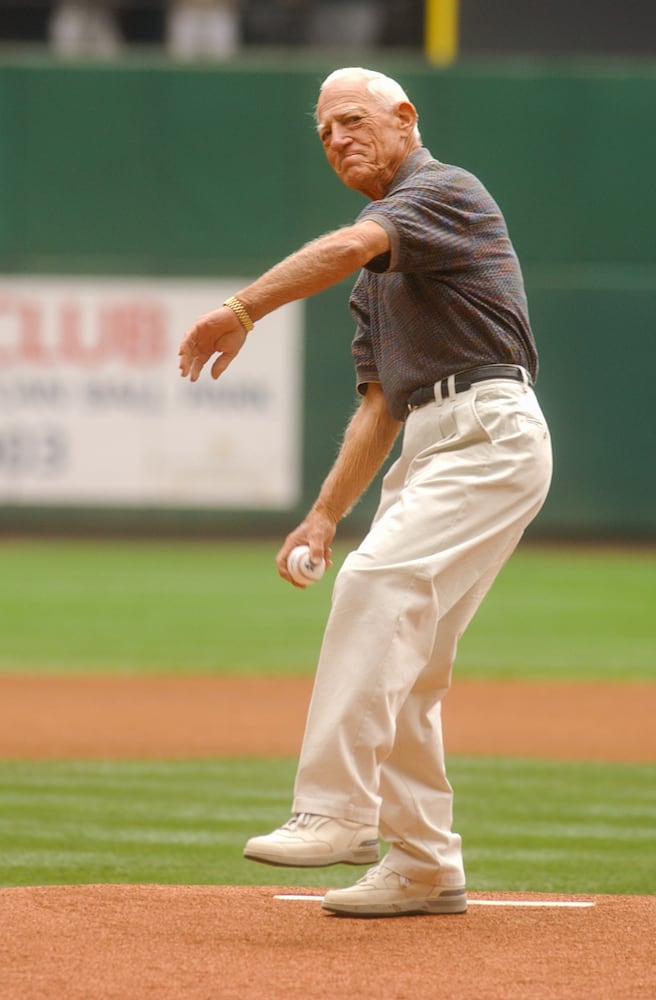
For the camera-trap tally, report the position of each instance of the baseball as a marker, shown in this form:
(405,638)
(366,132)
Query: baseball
(301,568)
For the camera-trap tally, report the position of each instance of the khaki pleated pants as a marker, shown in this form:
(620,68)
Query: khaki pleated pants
(474,471)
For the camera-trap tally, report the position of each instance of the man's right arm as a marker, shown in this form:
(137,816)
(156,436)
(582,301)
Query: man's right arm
(367,443)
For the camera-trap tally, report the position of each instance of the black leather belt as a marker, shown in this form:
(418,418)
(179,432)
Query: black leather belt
(463,381)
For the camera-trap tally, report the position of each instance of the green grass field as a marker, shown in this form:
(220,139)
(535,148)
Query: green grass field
(554,612)
(132,607)
(527,825)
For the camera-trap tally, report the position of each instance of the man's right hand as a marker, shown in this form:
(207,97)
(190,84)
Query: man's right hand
(317,531)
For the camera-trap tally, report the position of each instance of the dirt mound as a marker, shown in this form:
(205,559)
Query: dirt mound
(234,943)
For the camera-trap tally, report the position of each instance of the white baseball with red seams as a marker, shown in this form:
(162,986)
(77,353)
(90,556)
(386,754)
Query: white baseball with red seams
(301,568)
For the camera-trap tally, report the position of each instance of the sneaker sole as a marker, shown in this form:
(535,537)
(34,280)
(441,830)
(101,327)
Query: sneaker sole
(449,901)
(364,856)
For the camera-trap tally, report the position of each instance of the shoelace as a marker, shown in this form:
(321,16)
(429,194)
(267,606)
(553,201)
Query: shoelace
(298,819)
(371,874)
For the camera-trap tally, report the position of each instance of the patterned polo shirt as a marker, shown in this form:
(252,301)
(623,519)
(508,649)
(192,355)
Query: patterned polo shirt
(448,296)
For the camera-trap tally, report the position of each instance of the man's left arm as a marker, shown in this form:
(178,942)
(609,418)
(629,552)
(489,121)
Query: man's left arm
(316,266)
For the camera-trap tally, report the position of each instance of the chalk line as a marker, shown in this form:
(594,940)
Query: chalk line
(547,903)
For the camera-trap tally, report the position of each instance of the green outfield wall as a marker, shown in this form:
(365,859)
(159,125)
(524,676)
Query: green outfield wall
(149,169)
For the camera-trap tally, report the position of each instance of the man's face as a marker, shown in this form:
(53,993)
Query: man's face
(365,143)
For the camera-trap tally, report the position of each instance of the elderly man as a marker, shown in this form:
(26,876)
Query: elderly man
(444,350)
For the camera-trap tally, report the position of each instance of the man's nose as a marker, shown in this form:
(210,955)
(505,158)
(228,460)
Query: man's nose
(339,136)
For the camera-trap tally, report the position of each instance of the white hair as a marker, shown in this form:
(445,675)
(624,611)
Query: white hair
(383,88)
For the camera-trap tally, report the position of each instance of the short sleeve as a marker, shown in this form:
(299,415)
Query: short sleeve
(431,226)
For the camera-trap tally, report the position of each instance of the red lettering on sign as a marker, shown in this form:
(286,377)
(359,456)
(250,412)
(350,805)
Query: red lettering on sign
(137,331)
(75,332)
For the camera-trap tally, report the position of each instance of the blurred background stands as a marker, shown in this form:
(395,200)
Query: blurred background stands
(217,29)
(208,29)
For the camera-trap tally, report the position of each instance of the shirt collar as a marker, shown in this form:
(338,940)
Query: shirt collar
(416,159)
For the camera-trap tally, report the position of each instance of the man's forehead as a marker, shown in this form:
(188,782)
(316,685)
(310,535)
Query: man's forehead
(341,96)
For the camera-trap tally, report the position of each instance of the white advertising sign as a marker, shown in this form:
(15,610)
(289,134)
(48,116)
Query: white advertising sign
(93,410)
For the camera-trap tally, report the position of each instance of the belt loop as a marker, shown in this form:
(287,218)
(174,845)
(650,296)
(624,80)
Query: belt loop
(438,391)
(449,383)
(526,378)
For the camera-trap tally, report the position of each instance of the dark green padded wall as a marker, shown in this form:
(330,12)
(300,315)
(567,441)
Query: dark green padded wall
(155,170)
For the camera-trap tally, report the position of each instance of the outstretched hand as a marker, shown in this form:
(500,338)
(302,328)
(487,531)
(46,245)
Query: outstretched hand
(218,332)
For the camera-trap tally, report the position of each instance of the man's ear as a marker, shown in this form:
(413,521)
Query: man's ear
(407,114)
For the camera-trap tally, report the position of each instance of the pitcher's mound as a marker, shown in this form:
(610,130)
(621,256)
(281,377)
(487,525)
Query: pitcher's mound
(237,943)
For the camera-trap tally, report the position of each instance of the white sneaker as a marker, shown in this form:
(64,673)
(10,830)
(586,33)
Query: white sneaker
(310,841)
(384,893)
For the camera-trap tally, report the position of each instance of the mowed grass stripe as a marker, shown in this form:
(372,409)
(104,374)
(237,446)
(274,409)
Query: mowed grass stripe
(556,612)
(526,825)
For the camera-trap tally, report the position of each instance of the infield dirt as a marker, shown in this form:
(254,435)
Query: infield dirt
(227,942)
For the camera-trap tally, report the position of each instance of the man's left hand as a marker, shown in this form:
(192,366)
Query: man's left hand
(218,332)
